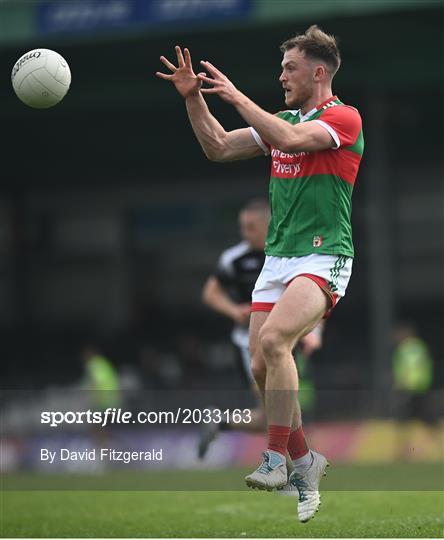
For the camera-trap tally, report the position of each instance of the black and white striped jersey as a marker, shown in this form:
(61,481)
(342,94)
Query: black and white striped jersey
(238,269)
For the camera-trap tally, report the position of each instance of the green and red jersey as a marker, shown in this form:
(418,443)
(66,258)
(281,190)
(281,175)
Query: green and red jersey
(310,192)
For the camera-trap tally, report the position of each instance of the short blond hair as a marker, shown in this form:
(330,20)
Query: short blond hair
(317,45)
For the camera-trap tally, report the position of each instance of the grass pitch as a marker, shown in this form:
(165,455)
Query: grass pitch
(241,514)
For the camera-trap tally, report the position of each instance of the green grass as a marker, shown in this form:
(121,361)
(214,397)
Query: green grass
(218,514)
(383,477)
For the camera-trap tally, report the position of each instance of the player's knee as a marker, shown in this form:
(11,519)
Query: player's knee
(259,373)
(272,344)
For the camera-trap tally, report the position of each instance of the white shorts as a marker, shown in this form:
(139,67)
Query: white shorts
(331,272)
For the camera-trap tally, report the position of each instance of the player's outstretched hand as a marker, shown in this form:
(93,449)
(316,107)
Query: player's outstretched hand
(187,83)
(220,83)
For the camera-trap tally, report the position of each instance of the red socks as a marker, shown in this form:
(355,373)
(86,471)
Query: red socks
(281,438)
(278,438)
(297,445)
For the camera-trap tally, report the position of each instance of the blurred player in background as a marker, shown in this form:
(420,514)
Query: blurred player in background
(228,292)
(101,379)
(316,148)
(412,373)
(102,385)
(412,365)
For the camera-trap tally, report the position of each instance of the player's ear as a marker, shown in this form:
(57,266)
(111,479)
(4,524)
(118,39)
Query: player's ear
(320,73)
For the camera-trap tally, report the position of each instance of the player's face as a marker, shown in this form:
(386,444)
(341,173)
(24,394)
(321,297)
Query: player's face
(253,228)
(297,78)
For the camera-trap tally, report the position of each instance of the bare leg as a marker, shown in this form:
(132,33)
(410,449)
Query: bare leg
(259,370)
(299,309)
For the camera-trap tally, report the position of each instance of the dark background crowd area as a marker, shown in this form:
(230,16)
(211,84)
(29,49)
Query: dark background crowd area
(111,218)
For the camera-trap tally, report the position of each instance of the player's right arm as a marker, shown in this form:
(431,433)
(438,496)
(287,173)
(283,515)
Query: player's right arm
(218,144)
(214,296)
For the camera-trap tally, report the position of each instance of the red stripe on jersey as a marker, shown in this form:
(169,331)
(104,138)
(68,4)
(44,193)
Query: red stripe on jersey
(340,162)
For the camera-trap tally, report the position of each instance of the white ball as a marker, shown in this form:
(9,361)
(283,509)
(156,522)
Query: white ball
(41,78)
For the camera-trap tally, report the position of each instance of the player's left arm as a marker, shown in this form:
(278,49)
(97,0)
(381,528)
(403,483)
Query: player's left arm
(338,126)
(304,137)
(308,136)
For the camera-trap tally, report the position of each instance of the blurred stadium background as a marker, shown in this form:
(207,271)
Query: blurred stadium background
(111,218)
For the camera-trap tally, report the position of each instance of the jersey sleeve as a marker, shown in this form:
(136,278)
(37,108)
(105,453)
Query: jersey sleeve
(260,142)
(224,270)
(343,123)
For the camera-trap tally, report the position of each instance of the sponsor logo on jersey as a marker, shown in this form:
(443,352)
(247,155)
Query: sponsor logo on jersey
(286,165)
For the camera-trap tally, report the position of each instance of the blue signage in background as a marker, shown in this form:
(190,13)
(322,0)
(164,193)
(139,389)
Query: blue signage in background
(187,10)
(85,16)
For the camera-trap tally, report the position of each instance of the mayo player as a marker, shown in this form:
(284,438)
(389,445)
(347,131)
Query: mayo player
(316,146)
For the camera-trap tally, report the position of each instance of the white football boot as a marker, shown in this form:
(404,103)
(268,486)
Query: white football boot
(307,484)
(271,473)
(289,490)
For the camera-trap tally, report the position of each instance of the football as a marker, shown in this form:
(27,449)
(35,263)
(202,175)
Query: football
(41,78)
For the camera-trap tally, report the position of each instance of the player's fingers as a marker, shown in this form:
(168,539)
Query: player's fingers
(212,69)
(187,54)
(164,76)
(179,54)
(209,90)
(168,64)
(203,77)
